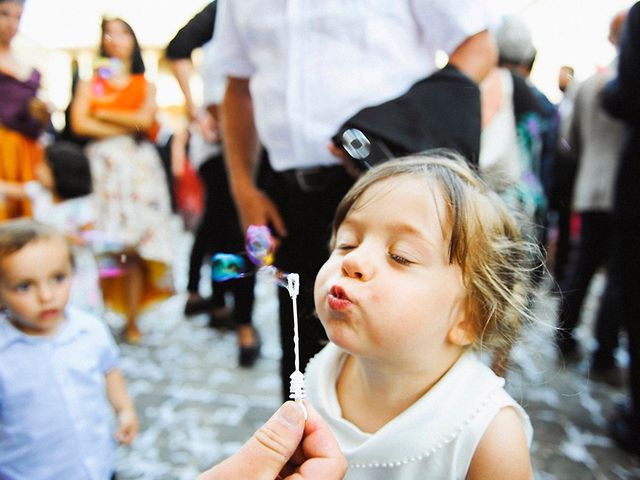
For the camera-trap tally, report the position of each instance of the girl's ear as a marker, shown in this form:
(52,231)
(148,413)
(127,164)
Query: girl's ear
(461,335)
(462,332)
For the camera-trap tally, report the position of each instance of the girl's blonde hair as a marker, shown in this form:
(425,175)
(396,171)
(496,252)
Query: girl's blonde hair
(485,241)
(16,234)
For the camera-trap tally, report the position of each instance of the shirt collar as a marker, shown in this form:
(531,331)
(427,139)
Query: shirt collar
(70,329)
(8,333)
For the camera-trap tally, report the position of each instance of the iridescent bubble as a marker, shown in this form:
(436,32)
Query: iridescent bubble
(227,266)
(260,245)
(356,143)
(260,248)
(279,276)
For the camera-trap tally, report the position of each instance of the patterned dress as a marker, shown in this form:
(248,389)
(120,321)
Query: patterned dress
(132,199)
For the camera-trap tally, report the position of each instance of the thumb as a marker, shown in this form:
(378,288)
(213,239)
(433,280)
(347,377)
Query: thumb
(267,451)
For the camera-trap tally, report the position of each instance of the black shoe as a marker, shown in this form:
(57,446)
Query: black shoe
(624,433)
(196,305)
(248,355)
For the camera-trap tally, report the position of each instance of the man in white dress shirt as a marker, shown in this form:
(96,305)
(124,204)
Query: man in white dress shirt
(296,71)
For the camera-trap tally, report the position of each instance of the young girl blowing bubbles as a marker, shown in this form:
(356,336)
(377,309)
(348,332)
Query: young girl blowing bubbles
(427,269)
(58,367)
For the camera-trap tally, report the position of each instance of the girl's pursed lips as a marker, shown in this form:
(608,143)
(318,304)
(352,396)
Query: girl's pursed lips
(339,293)
(337,299)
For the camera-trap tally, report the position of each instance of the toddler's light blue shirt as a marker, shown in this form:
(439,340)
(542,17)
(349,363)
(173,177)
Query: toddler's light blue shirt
(55,419)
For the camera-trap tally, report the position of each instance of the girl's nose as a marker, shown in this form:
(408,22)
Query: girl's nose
(357,264)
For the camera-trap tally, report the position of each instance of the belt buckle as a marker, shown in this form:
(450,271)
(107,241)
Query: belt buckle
(301,176)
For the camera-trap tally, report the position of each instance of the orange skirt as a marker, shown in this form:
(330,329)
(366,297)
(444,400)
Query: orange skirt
(157,285)
(19,156)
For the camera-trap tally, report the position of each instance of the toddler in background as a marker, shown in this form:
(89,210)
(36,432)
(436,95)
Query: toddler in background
(58,367)
(427,270)
(60,197)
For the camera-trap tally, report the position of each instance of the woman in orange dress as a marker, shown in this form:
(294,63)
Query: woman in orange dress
(116,108)
(22,115)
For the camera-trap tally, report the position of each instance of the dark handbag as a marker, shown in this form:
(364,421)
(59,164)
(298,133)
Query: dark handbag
(440,111)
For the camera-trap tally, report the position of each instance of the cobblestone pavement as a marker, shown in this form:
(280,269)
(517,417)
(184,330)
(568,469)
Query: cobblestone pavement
(197,406)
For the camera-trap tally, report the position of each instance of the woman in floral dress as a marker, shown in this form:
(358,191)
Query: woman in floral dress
(116,108)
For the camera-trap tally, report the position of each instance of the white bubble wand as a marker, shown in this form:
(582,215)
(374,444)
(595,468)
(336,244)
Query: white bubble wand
(297,386)
(260,247)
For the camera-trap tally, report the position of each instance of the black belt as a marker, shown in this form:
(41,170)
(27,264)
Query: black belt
(313,179)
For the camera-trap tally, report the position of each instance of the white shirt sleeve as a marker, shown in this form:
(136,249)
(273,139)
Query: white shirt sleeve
(214,81)
(445,24)
(231,58)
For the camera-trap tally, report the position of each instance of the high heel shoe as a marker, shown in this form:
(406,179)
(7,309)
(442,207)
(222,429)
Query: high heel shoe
(248,354)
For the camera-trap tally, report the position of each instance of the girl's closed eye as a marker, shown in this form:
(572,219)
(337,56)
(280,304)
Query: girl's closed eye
(405,252)
(345,242)
(345,246)
(400,259)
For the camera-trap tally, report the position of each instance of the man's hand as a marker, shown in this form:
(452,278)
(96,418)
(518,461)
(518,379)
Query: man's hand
(207,125)
(256,208)
(286,447)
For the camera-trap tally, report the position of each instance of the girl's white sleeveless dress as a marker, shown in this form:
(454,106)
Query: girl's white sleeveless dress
(433,439)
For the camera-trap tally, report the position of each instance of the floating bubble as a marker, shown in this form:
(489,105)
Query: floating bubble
(228,266)
(278,275)
(260,248)
(260,245)
(356,143)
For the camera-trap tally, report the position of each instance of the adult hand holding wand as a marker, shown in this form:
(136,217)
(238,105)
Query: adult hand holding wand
(286,447)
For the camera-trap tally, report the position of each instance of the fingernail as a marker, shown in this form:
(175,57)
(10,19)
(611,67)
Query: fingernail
(304,409)
(289,414)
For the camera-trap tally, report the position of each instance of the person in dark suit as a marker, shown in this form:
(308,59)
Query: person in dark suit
(621,98)
(595,139)
(219,229)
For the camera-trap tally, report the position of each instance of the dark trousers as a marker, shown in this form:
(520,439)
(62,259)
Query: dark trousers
(563,245)
(219,231)
(624,280)
(560,197)
(593,252)
(307,216)
(164,151)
